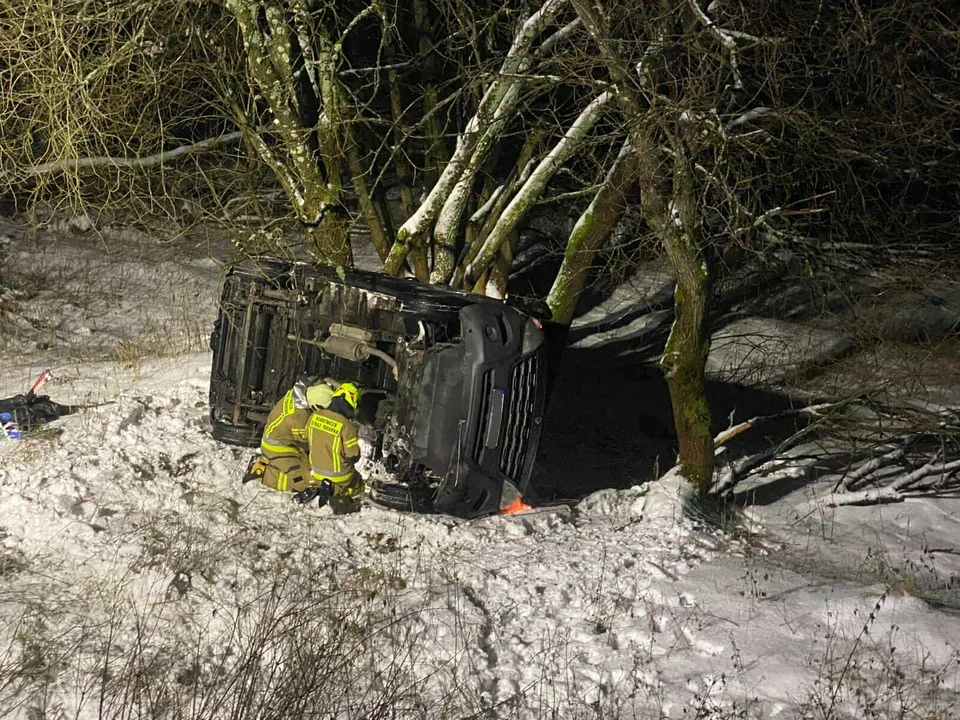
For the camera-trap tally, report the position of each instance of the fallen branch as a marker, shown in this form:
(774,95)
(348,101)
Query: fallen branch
(124,162)
(729,475)
(876,496)
(895,492)
(731,432)
(954,476)
(944,469)
(868,468)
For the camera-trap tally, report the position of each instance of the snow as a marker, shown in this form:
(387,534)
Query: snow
(636,328)
(766,351)
(645,289)
(128,544)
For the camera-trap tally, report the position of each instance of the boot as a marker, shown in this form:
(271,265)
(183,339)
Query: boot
(347,499)
(255,469)
(344,504)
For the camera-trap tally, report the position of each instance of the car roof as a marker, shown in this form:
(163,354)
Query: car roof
(397,286)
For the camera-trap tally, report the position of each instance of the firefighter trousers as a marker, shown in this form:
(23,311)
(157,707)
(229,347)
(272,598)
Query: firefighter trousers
(286,471)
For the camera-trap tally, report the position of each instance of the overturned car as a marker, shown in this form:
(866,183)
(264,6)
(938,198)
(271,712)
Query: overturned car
(454,383)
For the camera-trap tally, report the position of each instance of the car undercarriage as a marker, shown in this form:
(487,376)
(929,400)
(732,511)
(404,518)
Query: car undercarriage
(453,383)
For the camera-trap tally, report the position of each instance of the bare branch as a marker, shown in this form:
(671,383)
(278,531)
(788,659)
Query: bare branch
(373,7)
(377,68)
(732,432)
(124,162)
(726,38)
(572,195)
(563,33)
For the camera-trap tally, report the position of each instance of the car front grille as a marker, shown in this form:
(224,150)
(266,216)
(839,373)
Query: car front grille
(520,413)
(486,387)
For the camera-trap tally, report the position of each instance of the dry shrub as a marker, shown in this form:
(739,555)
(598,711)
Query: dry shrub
(110,80)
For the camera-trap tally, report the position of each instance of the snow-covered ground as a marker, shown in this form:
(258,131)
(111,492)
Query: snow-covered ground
(139,578)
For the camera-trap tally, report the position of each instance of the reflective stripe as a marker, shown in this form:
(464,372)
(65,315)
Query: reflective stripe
(279,449)
(334,428)
(352,442)
(282,480)
(287,410)
(321,475)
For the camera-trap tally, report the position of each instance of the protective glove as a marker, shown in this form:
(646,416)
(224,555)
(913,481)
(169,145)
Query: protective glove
(323,492)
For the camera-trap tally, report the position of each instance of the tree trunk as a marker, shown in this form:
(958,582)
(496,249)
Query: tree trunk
(329,241)
(531,190)
(676,222)
(591,231)
(435,151)
(496,106)
(376,221)
(685,356)
(669,207)
(310,178)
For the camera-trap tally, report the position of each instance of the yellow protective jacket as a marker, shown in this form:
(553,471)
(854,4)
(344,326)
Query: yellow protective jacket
(334,446)
(286,430)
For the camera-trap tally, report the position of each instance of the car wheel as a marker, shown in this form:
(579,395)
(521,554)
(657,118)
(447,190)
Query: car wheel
(417,499)
(244,435)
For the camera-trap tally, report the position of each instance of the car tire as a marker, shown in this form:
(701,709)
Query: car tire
(243,435)
(418,499)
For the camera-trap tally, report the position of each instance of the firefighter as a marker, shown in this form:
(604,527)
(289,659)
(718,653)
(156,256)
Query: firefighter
(334,450)
(284,462)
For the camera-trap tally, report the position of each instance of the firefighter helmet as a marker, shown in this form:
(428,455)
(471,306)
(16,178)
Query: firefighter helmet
(349,392)
(319,396)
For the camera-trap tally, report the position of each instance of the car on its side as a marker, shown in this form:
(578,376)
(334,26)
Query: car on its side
(454,383)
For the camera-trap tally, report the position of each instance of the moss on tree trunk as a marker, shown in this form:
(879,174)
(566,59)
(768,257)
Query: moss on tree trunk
(669,207)
(685,356)
(683,364)
(588,235)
